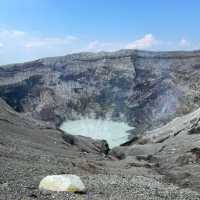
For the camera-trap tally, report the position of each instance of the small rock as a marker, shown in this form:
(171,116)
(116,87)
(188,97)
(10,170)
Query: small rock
(67,183)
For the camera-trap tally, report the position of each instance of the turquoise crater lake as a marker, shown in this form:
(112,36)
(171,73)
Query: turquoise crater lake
(115,133)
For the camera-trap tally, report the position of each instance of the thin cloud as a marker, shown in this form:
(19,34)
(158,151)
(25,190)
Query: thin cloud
(96,45)
(184,43)
(48,42)
(143,43)
(5,34)
(19,46)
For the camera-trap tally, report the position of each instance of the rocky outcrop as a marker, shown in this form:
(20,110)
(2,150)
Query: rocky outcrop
(174,150)
(86,144)
(145,89)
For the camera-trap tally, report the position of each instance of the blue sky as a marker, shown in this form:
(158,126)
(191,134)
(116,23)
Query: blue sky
(31,29)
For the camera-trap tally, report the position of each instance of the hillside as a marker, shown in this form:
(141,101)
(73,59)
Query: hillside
(29,153)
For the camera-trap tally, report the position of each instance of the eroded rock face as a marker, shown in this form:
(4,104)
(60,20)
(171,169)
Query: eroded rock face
(145,89)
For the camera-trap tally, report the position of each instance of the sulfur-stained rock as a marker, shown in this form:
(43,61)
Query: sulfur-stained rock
(67,183)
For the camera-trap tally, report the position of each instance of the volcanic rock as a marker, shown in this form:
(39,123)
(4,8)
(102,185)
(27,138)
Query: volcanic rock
(59,183)
(144,89)
(87,144)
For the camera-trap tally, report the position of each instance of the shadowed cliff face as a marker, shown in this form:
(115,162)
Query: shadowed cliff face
(145,89)
(16,94)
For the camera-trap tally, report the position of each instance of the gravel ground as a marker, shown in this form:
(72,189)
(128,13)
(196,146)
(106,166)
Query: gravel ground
(29,154)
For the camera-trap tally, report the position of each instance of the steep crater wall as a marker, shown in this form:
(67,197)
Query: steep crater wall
(145,89)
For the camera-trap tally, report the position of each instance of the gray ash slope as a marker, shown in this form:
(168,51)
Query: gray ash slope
(29,152)
(145,89)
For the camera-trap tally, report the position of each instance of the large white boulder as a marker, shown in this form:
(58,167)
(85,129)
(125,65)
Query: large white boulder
(68,183)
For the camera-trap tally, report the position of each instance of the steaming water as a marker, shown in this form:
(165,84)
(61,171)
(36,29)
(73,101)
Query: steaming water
(114,132)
